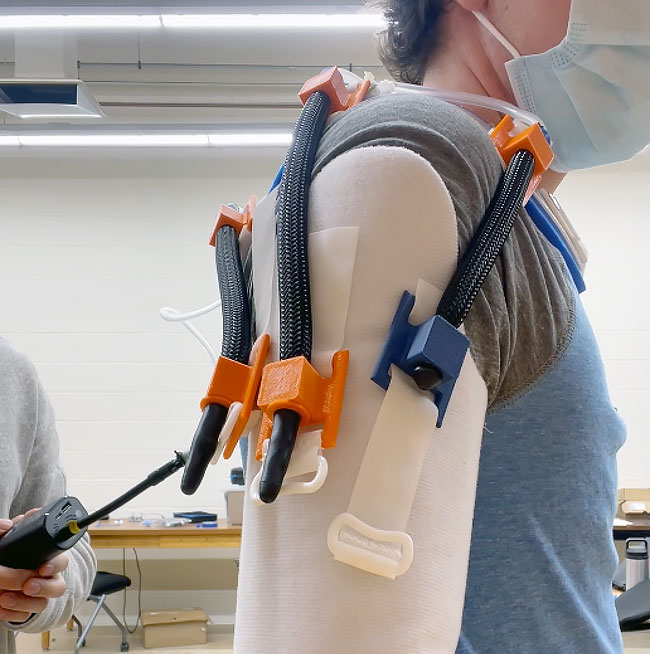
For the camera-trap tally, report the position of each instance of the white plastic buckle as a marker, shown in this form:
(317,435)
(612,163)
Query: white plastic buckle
(307,457)
(233,415)
(385,553)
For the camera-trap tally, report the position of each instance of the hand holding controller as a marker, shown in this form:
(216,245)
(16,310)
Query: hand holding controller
(26,592)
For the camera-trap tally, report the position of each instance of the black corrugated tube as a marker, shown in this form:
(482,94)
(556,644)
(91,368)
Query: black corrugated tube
(485,246)
(293,277)
(236,345)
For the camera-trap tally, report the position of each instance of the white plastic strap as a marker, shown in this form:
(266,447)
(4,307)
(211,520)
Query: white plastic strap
(371,535)
(233,415)
(307,459)
(265,279)
(334,252)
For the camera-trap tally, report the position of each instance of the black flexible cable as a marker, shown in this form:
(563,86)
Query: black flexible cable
(293,277)
(484,248)
(133,629)
(236,346)
(153,479)
(291,224)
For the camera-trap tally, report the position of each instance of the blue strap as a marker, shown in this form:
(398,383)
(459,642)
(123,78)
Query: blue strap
(546,225)
(277,180)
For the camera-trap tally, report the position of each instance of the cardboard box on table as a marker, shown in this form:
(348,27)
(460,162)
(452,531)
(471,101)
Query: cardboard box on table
(174,628)
(633,502)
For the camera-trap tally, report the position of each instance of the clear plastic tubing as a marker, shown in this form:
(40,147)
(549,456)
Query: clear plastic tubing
(472,100)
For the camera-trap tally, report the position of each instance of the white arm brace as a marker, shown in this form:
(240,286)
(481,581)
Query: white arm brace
(294,598)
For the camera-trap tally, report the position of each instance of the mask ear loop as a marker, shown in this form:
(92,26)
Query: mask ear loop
(497,35)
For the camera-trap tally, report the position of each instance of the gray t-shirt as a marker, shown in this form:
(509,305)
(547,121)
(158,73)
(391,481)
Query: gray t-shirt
(522,319)
(31,477)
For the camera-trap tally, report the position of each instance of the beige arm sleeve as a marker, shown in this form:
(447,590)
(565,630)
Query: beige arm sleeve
(293,597)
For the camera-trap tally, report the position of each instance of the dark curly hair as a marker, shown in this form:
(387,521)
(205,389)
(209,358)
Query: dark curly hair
(410,37)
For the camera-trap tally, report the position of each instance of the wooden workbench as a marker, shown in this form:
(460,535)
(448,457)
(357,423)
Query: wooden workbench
(105,535)
(640,528)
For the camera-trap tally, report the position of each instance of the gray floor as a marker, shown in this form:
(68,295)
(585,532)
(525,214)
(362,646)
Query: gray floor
(105,640)
(637,642)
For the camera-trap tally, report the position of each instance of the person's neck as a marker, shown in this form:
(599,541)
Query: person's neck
(468,67)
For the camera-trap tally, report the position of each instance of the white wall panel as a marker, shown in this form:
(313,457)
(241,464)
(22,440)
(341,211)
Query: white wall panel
(172,346)
(110,377)
(91,436)
(92,247)
(609,208)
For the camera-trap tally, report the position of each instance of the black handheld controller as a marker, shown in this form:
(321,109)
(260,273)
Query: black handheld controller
(52,530)
(35,540)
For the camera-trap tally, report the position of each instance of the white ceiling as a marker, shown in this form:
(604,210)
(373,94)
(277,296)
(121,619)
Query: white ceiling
(201,76)
(204,77)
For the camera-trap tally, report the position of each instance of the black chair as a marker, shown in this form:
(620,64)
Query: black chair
(105,584)
(633,607)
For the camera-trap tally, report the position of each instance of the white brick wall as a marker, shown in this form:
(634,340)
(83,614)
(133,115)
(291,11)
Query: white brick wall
(91,247)
(610,209)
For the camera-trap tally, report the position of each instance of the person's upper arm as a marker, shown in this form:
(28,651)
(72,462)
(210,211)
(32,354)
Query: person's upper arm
(293,596)
(42,482)
(43,479)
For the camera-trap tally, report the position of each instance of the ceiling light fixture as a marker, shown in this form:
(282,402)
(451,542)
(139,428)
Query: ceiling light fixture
(79,21)
(273,21)
(184,21)
(121,140)
(58,116)
(244,140)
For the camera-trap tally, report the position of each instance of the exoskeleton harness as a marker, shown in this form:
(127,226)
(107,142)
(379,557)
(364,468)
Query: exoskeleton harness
(300,409)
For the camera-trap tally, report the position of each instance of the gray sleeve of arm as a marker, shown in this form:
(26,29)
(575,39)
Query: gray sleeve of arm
(44,482)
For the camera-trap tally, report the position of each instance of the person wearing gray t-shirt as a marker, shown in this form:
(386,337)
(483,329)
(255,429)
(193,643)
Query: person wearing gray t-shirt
(31,477)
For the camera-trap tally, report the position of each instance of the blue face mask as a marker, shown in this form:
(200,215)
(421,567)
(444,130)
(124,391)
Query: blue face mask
(592,91)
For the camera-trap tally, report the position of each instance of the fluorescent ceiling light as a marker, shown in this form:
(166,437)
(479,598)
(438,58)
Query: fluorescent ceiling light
(58,116)
(104,140)
(243,140)
(114,140)
(210,21)
(273,21)
(79,21)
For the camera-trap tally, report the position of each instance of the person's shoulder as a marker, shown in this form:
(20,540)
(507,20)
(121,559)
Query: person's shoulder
(441,132)
(419,110)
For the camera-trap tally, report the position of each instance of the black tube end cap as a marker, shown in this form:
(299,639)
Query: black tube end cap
(269,491)
(189,487)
